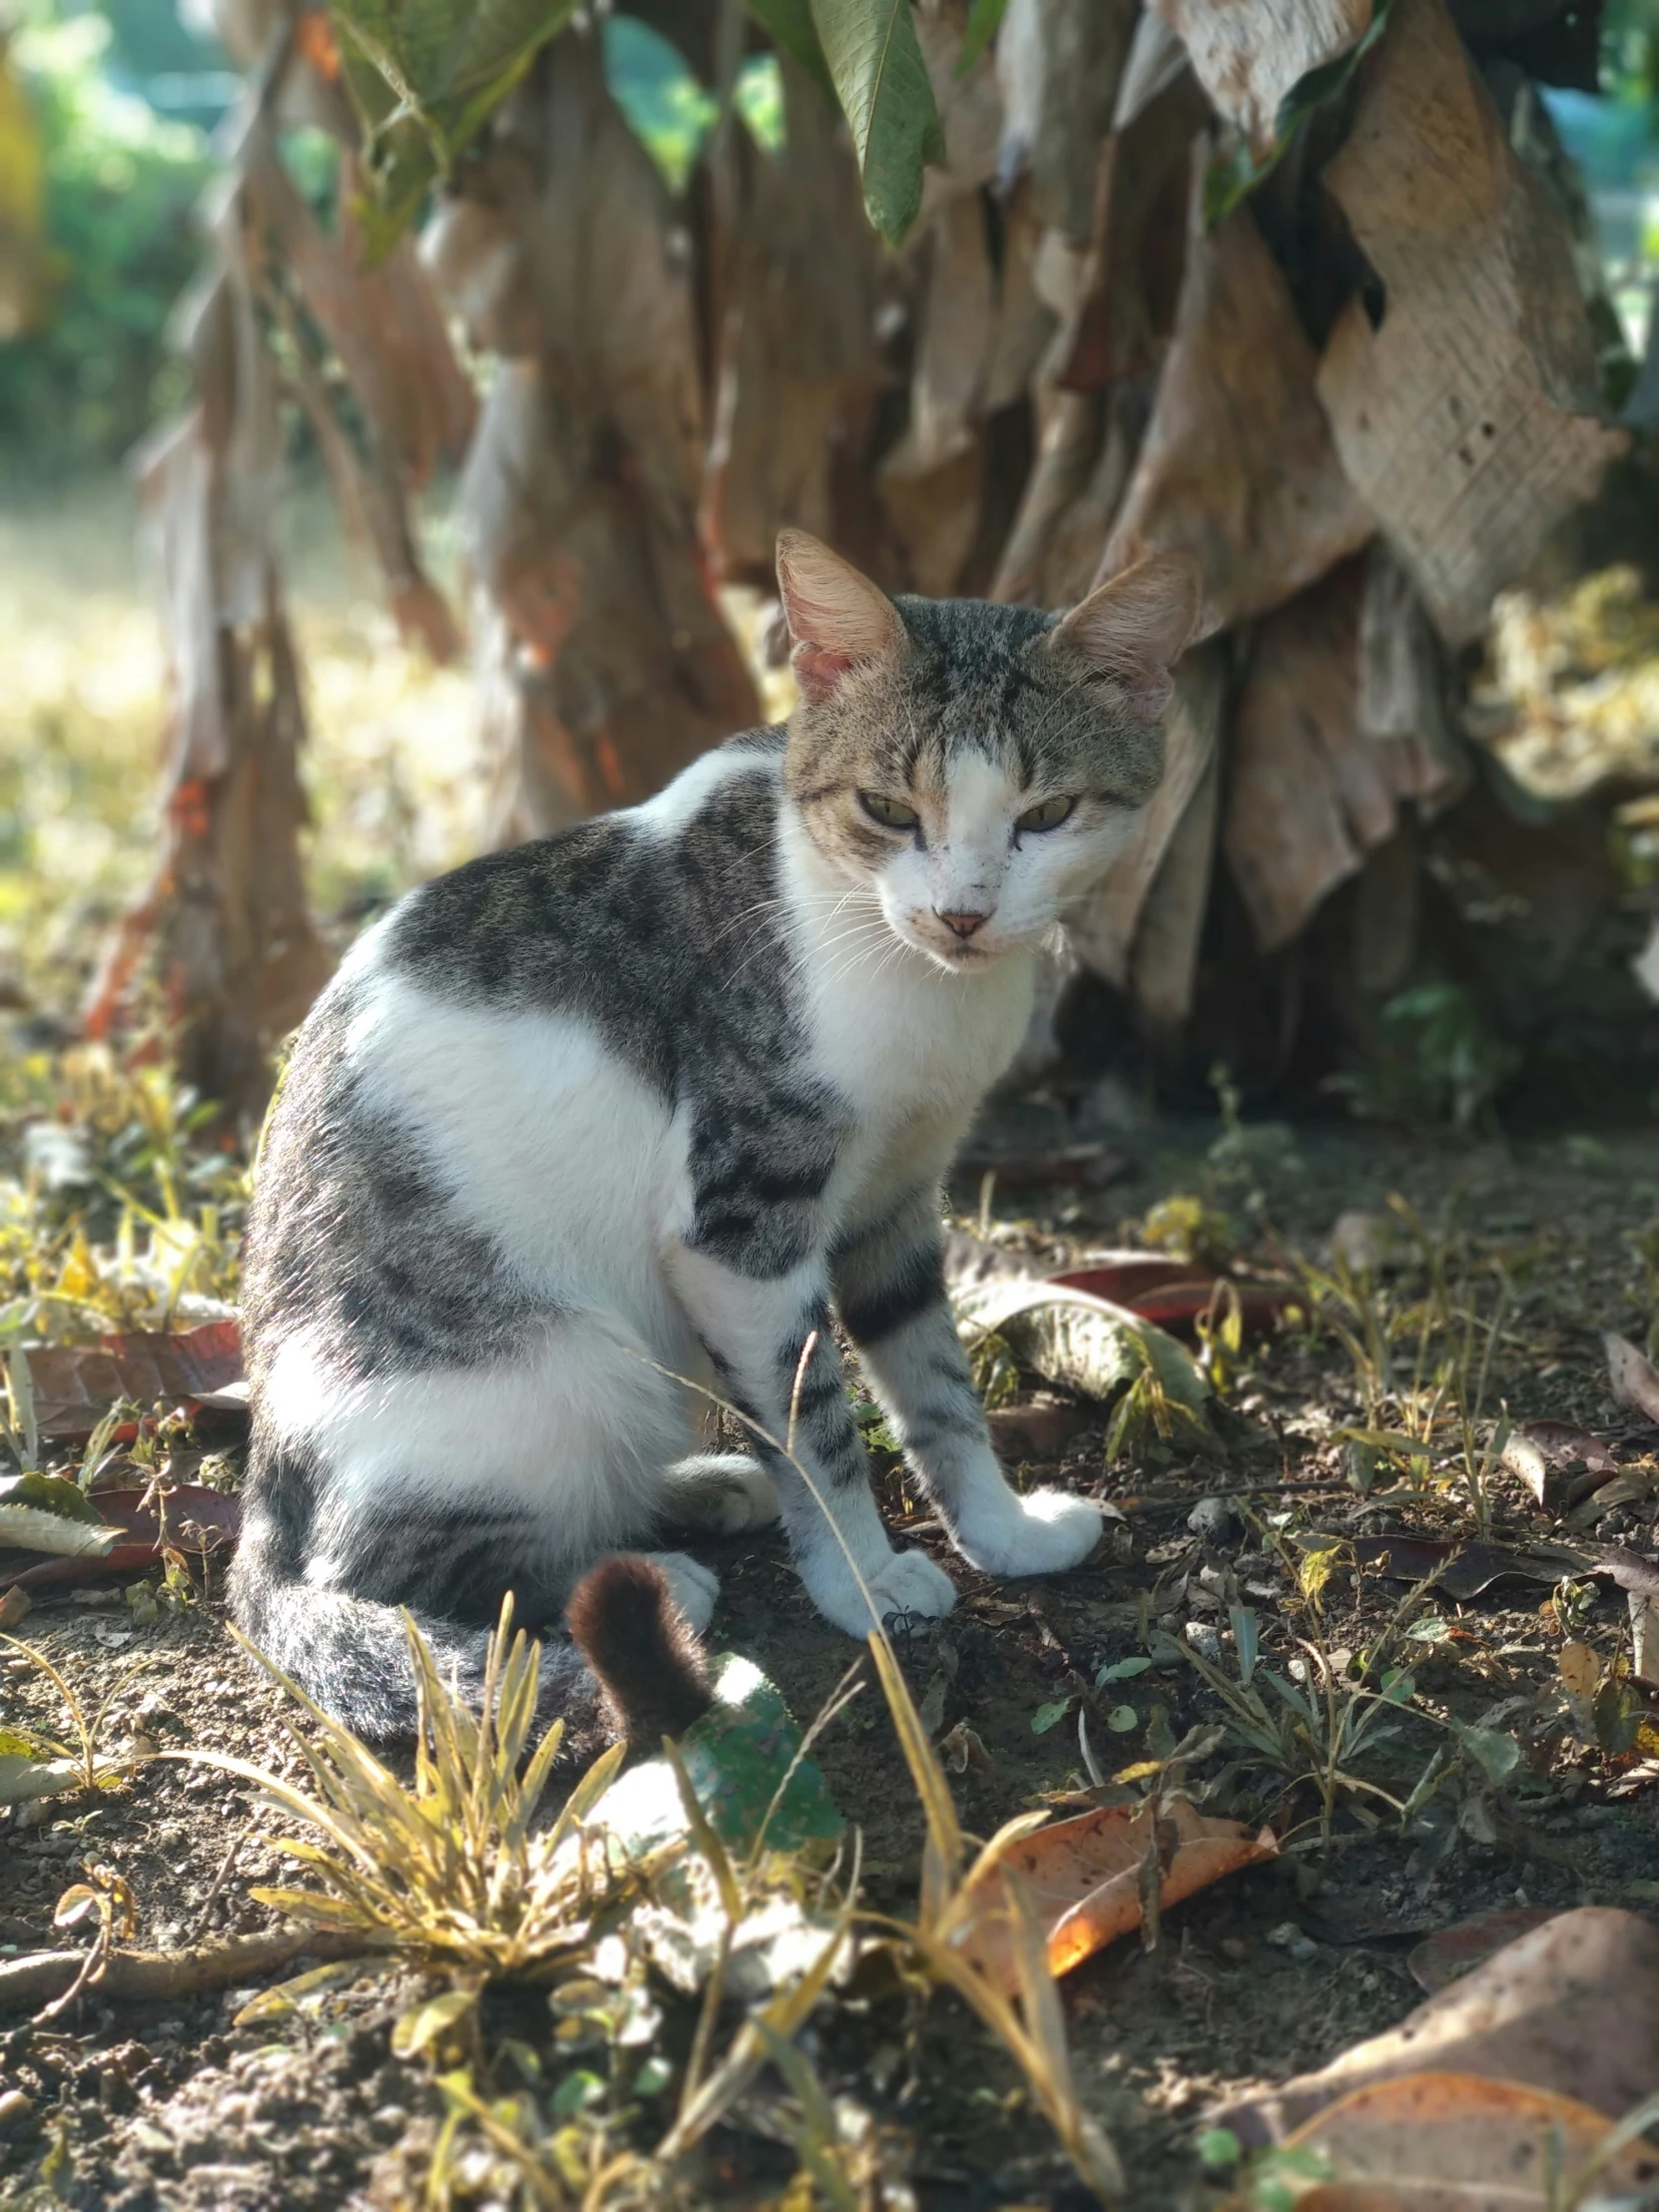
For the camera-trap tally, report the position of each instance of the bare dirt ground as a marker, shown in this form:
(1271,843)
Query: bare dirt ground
(1269,1973)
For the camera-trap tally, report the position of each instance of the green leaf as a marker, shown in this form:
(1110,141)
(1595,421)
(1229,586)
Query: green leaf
(1121,1718)
(1121,1670)
(574,2093)
(887,99)
(1049,1715)
(1246,1638)
(744,1762)
(1233,175)
(50,1493)
(788,23)
(983,23)
(653,2077)
(1494,1753)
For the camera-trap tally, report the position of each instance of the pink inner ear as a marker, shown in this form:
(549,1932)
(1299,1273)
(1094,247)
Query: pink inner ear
(818,670)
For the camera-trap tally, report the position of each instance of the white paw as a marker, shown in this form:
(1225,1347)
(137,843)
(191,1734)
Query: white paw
(722,1492)
(1043,1532)
(693,1586)
(900,1582)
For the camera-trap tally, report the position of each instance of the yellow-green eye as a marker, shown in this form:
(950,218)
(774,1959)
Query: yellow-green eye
(1048,816)
(891,813)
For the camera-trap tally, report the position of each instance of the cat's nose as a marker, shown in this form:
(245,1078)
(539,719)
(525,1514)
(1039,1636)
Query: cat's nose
(963,924)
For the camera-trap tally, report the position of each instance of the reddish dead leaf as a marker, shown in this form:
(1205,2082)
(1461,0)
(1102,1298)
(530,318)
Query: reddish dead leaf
(1631,1376)
(1084,1877)
(1459,1949)
(1453,2142)
(76,1385)
(1171,1292)
(1572,2008)
(196,1519)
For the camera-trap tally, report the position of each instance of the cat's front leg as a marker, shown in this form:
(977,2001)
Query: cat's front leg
(890,1291)
(756,1331)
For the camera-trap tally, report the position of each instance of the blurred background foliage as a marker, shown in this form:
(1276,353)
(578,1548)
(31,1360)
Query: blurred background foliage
(113,109)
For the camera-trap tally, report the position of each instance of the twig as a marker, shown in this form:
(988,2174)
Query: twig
(1152,1501)
(132,1975)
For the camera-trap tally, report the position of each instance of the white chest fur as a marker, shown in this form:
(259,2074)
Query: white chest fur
(911,1047)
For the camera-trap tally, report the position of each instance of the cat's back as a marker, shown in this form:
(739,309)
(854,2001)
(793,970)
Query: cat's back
(490,1048)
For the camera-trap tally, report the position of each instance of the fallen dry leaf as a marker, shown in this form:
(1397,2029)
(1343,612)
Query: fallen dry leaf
(1466,1570)
(1453,2142)
(1558,1463)
(1572,2008)
(1630,1375)
(1581,1669)
(1451,1952)
(76,1385)
(1171,1292)
(1084,1877)
(197,1519)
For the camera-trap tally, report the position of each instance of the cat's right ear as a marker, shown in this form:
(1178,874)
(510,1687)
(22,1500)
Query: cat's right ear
(837,619)
(1134,627)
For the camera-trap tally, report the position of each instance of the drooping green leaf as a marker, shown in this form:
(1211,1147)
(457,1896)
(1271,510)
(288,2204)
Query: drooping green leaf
(887,96)
(983,23)
(789,26)
(426,76)
(1049,1715)
(1233,175)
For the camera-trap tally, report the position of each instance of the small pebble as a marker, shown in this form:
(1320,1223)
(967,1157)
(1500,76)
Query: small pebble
(14,2106)
(1213,1520)
(1205,1640)
(1288,1937)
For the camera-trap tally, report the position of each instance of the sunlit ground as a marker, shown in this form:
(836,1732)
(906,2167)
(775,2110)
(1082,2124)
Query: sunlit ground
(394,766)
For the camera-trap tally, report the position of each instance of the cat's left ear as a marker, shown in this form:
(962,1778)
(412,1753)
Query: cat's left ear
(838,618)
(1134,628)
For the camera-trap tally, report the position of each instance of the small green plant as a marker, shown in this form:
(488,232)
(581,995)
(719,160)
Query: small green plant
(1313,1731)
(33,1764)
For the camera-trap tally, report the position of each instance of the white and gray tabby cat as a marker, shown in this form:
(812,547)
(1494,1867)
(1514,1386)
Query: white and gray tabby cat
(663,1096)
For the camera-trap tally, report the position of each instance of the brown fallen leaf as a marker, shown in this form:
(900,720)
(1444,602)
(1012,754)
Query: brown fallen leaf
(1038,1431)
(1453,2142)
(1572,2008)
(1466,1570)
(197,1519)
(1451,1952)
(1171,1292)
(76,1385)
(1084,1877)
(1630,1375)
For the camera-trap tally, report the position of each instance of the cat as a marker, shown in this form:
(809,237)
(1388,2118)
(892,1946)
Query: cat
(640,1110)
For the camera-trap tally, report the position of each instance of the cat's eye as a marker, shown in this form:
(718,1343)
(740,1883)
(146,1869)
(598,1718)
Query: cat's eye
(1047,815)
(891,813)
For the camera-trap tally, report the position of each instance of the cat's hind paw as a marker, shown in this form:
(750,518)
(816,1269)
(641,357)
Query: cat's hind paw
(721,1492)
(693,1586)
(1044,1533)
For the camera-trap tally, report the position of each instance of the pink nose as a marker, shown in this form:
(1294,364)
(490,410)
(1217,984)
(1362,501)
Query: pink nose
(963,924)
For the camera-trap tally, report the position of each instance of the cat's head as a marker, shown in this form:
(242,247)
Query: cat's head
(978,767)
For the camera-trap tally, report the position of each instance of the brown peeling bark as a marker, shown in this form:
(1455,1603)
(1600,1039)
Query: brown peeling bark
(1238,463)
(1467,420)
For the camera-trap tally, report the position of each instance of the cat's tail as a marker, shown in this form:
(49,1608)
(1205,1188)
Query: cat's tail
(633,1666)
